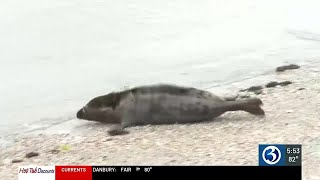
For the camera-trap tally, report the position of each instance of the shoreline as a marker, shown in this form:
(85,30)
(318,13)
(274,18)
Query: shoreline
(292,117)
(230,89)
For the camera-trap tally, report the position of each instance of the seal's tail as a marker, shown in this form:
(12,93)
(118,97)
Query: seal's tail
(250,105)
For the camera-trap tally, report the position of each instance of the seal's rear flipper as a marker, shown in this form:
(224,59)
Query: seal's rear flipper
(117,130)
(250,105)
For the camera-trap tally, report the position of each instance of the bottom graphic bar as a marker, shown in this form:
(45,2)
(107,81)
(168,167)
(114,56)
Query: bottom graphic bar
(104,172)
(236,172)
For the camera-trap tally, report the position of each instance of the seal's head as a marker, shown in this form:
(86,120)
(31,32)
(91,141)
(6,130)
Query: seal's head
(101,109)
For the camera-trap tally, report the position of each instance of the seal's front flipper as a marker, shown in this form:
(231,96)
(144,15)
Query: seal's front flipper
(117,130)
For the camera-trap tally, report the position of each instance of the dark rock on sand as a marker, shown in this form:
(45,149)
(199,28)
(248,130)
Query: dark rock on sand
(272,84)
(17,161)
(252,88)
(257,92)
(285,83)
(287,67)
(32,154)
(54,151)
(255,89)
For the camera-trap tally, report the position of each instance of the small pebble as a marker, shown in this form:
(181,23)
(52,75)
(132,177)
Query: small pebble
(108,139)
(55,151)
(17,161)
(32,154)
(289,111)
(172,161)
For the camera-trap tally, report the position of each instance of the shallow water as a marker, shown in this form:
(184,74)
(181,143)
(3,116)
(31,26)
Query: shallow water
(56,55)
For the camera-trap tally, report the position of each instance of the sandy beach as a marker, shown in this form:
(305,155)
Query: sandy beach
(292,117)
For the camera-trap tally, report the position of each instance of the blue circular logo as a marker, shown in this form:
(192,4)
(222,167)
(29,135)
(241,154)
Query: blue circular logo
(271,155)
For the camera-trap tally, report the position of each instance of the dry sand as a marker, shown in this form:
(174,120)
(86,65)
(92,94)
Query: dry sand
(292,117)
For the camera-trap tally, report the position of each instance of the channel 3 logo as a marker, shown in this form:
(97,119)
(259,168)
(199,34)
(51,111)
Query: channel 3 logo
(271,155)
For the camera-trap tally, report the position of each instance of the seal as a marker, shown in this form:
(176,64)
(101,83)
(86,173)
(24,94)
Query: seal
(161,104)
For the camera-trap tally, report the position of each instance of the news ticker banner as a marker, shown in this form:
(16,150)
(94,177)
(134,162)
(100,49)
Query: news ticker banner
(276,161)
(105,172)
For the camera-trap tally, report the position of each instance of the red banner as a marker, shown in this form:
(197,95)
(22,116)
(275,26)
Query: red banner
(73,172)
